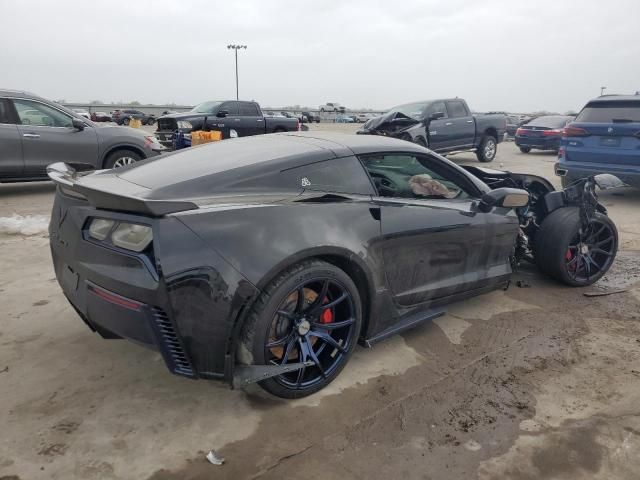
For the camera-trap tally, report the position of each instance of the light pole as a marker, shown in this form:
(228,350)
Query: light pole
(602,89)
(235,48)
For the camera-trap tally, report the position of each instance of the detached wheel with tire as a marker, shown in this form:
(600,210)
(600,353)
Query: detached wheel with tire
(121,158)
(573,257)
(487,149)
(311,312)
(525,149)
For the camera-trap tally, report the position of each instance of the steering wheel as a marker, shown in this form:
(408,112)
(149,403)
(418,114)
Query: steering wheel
(385,186)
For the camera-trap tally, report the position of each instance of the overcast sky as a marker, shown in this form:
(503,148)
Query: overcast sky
(499,55)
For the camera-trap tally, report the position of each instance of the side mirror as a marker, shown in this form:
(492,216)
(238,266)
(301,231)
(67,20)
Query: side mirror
(436,116)
(77,124)
(222,113)
(503,198)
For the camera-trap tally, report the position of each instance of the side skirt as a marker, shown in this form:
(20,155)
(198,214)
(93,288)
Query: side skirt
(409,321)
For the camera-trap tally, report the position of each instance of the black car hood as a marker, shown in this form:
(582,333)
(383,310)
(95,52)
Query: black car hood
(392,121)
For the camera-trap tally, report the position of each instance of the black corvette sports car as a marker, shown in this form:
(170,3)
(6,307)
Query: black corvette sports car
(266,259)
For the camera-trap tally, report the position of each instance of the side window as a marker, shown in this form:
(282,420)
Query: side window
(231,107)
(435,108)
(340,175)
(248,109)
(39,114)
(457,109)
(410,176)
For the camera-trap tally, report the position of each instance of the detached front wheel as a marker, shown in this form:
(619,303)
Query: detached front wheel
(576,258)
(310,313)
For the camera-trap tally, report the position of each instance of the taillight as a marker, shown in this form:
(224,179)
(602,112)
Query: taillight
(575,132)
(560,152)
(520,131)
(557,132)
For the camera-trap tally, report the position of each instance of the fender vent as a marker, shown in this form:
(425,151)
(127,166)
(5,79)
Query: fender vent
(172,346)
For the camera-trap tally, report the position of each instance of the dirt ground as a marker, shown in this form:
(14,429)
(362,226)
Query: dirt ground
(538,382)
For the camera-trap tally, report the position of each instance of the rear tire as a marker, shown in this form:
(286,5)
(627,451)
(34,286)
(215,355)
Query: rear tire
(559,254)
(525,149)
(151,121)
(125,122)
(121,158)
(487,150)
(270,337)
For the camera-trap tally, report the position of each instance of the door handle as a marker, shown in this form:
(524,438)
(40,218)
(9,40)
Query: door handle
(259,120)
(469,121)
(236,119)
(31,135)
(449,123)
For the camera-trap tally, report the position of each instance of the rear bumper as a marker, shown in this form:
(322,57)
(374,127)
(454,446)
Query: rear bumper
(184,304)
(572,171)
(118,296)
(538,143)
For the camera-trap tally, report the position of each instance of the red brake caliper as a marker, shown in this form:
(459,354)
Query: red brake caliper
(568,257)
(327,315)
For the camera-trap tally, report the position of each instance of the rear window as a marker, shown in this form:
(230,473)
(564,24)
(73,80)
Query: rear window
(608,112)
(550,122)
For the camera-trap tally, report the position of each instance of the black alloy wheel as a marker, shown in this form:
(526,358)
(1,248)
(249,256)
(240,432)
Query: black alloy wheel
(591,254)
(309,314)
(575,256)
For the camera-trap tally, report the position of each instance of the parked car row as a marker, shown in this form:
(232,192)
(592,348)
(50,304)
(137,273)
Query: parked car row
(124,117)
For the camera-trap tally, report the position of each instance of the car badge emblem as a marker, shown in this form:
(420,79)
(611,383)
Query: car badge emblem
(610,129)
(305,182)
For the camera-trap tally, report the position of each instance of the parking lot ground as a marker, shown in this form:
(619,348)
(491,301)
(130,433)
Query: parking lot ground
(527,383)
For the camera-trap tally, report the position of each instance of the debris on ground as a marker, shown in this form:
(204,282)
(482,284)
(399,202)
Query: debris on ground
(604,292)
(523,284)
(214,458)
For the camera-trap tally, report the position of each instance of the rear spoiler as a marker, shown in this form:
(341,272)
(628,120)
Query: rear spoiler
(108,198)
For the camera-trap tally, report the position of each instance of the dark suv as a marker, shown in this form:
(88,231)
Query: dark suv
(123,117)
(35,132)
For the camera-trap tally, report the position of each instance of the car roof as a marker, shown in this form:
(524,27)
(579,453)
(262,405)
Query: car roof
(5,92)
(615,98)
(245,157)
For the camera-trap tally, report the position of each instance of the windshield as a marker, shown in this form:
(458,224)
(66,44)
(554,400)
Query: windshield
(413,110)
(206,107)
(608,112)
(549,121)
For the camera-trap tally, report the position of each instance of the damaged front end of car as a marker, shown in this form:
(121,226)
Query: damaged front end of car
(566,233)
(392,124)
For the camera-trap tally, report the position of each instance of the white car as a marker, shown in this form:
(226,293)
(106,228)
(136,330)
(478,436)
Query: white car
(363,117)
(82,113)
(332,107)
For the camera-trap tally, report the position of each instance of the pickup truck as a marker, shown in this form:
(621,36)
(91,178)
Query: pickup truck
(233,118)
(444,126)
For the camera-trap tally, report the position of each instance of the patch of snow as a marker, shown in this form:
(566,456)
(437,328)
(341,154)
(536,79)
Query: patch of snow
(25,225)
